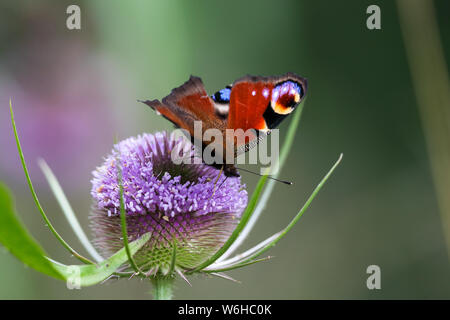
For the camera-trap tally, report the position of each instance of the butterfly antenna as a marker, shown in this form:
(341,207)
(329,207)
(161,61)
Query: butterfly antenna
(269,177)
(222,182)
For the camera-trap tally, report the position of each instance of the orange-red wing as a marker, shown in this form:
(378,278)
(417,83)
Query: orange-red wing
(189,103)
(169,114)
(249,99)
(261,103)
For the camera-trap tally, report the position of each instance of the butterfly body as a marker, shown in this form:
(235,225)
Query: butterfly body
(251,107)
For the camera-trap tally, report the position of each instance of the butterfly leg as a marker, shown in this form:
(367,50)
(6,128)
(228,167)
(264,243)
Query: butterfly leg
(215,182)
(226,177)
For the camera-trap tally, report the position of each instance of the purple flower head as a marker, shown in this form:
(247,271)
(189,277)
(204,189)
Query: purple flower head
(176,203)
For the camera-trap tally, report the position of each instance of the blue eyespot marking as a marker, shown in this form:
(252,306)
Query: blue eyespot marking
(222,96)
(287,94)
(289,87)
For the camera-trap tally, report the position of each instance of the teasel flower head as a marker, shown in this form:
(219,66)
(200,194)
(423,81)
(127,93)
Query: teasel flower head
(187,207)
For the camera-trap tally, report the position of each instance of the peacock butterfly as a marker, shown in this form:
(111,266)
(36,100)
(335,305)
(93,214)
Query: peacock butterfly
(252,102)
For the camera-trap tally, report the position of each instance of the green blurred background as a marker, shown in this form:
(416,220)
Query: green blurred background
(73,91)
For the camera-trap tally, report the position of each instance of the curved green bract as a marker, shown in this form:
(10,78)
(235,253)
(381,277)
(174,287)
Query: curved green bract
(15,237)
(35,197)
(67,210)
(123,220)
(92,274)
(248,259)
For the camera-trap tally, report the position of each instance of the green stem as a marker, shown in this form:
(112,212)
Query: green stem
(426,59)
(162,288)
